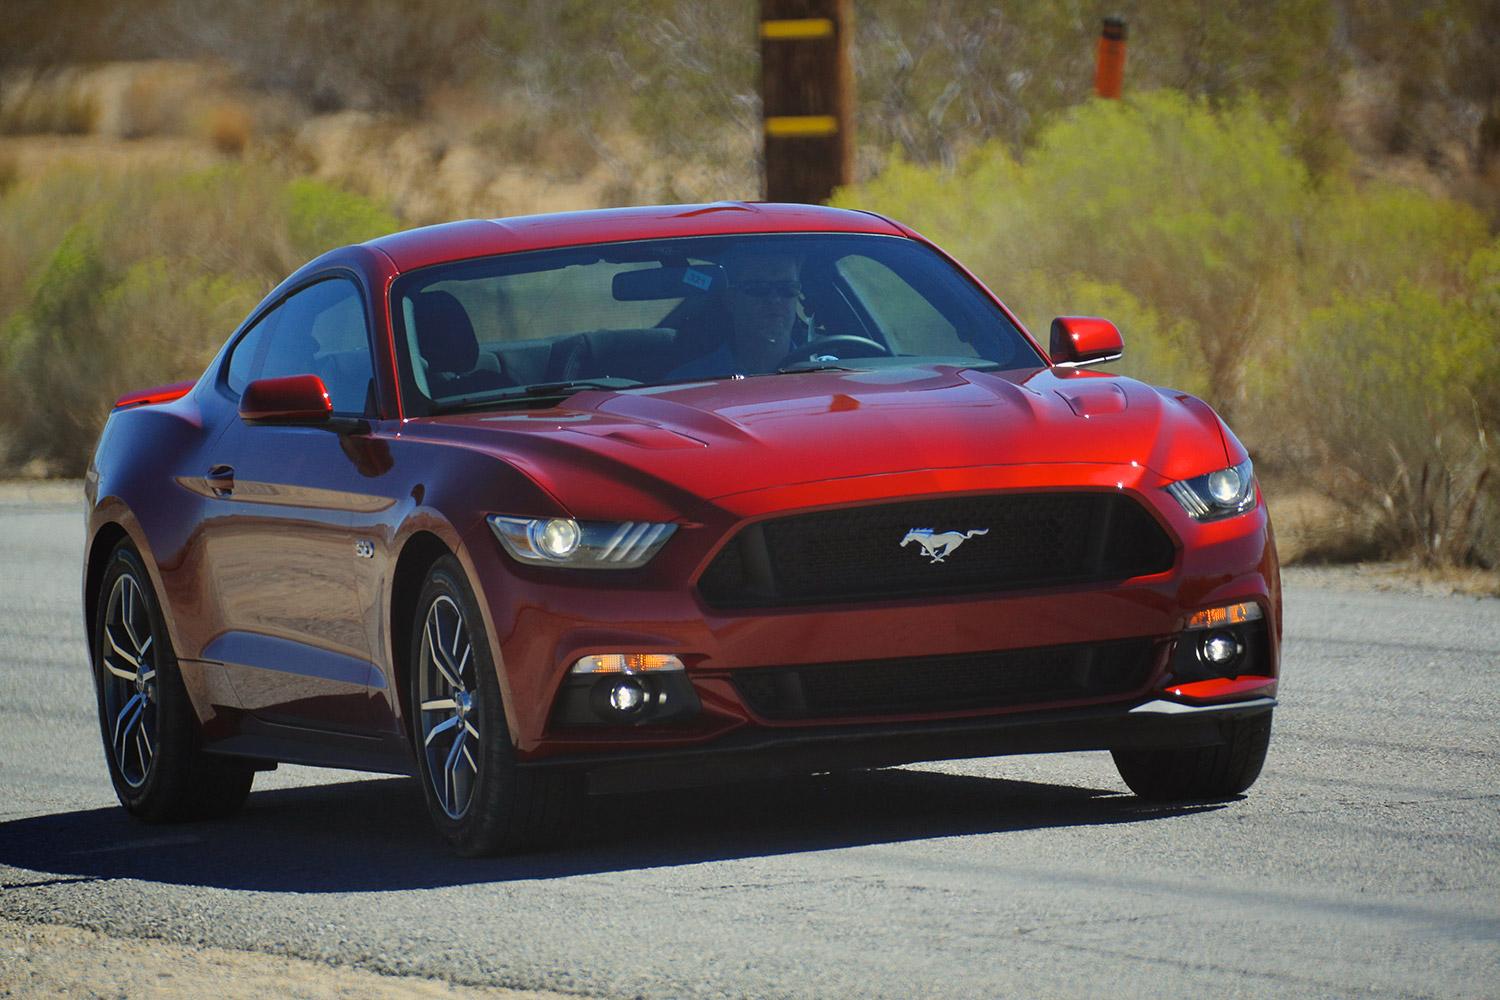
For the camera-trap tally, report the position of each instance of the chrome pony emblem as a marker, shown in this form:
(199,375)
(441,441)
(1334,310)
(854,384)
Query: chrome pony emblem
(939,547)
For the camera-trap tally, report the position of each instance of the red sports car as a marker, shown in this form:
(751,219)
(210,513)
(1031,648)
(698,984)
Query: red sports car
(660,496)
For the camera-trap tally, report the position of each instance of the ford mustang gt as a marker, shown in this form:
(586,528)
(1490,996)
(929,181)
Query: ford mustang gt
(600,501)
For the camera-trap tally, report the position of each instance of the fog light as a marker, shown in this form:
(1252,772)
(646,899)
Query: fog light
(627,696)
(1219,648)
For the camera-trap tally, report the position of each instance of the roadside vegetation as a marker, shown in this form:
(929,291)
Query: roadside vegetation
(116,281)
(1293,213)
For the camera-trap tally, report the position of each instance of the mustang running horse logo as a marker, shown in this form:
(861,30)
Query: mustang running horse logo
(940,547)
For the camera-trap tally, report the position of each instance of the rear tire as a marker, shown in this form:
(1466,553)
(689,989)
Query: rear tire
(479,800)
(1212,772)
(151,741)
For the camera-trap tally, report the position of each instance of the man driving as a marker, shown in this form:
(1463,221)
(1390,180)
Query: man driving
(761,306)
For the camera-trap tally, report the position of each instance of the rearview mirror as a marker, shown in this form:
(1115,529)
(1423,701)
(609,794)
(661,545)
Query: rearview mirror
(293,399)
(1084,340)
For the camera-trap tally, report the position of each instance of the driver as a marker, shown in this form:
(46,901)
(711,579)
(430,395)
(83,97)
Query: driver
(763,291)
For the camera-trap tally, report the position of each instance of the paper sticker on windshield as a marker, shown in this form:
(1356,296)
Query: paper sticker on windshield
(697,279)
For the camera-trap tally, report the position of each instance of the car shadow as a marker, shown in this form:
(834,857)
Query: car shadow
(373,835)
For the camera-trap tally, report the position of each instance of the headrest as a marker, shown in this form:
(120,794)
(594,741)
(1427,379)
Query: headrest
(445,335)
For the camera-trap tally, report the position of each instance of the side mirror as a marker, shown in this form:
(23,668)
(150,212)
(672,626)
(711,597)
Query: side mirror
(294,399)
(1084,340)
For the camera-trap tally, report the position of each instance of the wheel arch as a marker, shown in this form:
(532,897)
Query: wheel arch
(109,535)
(418,554)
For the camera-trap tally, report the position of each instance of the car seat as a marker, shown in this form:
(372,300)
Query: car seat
(450,349)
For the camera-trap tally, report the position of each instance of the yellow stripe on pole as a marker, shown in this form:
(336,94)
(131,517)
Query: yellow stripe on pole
(797,28)
(801,126)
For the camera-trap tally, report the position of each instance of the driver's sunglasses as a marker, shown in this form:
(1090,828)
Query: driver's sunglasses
(770,289)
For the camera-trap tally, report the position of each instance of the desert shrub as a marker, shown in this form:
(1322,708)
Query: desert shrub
(46,102)
(1388,385)
(109,283)
(1372,236)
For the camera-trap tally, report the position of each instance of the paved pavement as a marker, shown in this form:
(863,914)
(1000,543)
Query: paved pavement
(1366,860)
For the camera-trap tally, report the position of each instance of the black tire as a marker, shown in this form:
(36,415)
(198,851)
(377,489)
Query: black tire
(479,800)
(152,744)
(1212,772)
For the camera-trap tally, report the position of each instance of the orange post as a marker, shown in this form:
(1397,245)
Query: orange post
(1109,71)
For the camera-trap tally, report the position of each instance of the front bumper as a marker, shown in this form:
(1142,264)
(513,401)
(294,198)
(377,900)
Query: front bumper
(543,620)
(756,753)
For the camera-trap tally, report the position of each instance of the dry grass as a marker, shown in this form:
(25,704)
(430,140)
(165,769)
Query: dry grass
(229,128)
(56,104)
(1312,528)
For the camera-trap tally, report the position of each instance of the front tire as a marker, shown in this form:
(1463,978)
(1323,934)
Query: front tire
(479,800)
(151,742)
(1212,772)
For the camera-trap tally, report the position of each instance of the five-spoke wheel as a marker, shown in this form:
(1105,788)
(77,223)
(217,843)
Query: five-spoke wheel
(448,705)
(478,798)
(130,690)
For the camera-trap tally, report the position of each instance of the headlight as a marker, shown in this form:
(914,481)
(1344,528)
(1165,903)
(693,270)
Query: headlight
(1219,494)
(562,541)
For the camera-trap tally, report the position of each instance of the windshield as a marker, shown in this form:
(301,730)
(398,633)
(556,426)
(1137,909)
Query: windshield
(527,328)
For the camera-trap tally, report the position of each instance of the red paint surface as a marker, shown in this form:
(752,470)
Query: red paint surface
(1224,689)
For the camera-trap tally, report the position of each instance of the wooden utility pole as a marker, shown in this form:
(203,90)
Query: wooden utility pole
(806,90)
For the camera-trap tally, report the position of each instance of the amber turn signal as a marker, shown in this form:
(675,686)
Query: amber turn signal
(1230,614)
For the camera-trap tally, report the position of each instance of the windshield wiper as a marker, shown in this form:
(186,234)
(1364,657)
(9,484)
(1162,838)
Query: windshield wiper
(566,388)
(533,392)
(814,366)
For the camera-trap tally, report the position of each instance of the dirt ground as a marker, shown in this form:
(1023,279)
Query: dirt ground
(39,960)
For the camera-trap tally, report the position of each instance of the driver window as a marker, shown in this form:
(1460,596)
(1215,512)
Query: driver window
(321,331)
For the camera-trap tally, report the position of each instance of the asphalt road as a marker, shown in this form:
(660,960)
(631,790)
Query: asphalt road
(1366,860)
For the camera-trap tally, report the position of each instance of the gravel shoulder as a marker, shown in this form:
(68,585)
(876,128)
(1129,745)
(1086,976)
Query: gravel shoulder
(44,960)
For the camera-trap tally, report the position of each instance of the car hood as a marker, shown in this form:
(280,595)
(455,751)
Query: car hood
(714,439)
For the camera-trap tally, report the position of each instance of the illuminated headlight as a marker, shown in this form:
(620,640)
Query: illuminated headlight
(1219,494)
(562,541)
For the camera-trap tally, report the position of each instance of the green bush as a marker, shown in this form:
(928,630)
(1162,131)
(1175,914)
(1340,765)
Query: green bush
(111,283)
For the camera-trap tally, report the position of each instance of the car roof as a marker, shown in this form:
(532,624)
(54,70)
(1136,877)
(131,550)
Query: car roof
(482,237)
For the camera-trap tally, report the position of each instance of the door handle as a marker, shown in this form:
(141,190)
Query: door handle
(220,480)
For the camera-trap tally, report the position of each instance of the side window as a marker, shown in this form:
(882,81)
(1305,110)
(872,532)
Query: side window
(245,360)
(318,331)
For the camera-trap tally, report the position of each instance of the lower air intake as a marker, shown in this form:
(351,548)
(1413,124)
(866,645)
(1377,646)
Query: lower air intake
(971,681)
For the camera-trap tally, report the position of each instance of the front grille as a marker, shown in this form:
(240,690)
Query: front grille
(1029,540)
(971,681)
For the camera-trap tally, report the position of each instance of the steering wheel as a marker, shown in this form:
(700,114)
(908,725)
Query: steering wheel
(838,345)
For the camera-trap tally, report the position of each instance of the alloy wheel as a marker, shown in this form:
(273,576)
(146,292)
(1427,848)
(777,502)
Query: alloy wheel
(449,715)
(130,686)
